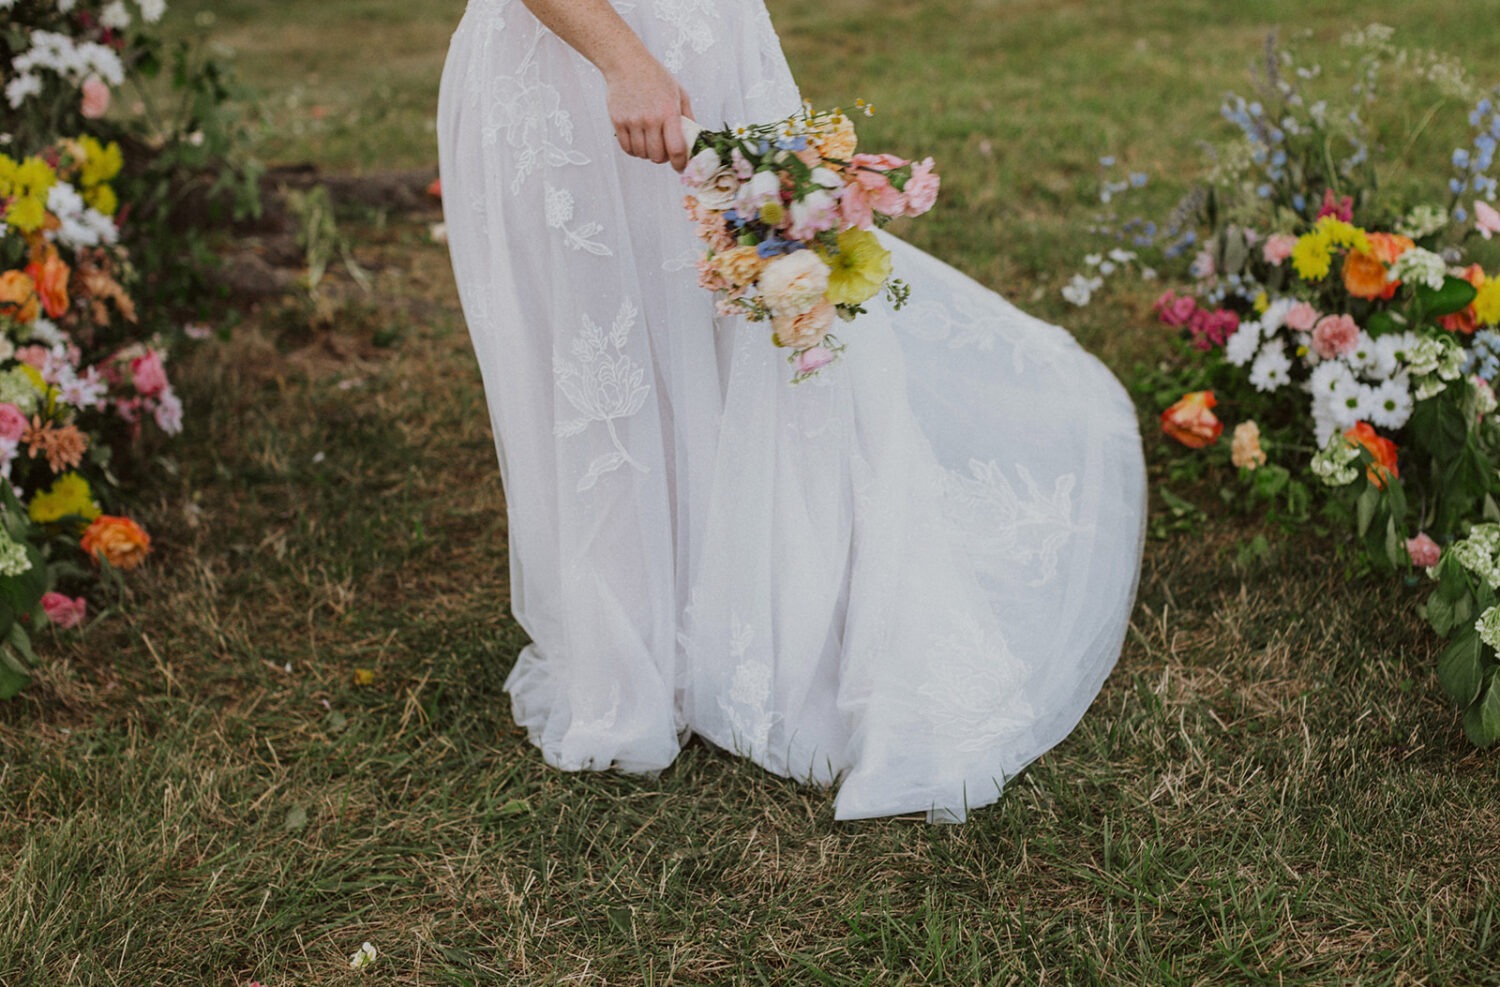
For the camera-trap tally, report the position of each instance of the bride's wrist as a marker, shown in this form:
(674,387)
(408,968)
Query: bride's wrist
(626,64)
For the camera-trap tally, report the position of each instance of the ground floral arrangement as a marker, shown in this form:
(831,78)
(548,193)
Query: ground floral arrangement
(1341,311)
(82,371)
(786,211)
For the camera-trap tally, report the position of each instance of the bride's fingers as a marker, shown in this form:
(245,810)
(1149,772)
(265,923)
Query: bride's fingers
(655,149)
(676,146)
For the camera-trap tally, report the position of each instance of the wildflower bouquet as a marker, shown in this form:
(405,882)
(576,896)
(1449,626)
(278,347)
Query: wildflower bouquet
(1357,327)
(786,210)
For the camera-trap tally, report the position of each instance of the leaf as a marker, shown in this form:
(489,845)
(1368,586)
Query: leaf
(1369,503)
(1440,614)
(1453,296)
(1382,322)
(1458,668)
(1482,719)
(13,675)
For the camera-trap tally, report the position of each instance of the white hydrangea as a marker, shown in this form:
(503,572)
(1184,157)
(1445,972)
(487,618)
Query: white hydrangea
(1419,266)
(13,559)
(152,10)
(1433,362)
(1476,553)
(1423,221)
(1240,348)
(1337,463)
(114,15)
(1272,368)
(1488,626)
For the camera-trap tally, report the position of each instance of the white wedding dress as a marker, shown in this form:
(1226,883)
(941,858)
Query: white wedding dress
(908,577)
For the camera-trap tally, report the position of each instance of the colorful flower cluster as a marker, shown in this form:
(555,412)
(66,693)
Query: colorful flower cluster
(787,212)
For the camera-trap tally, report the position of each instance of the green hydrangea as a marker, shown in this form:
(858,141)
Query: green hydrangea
(13,558)
(1337,463)
(17,388)
(1477,553)
(1488,626)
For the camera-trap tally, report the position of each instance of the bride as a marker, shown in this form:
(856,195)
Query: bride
(908,577)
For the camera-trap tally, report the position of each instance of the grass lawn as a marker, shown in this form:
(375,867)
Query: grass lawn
(1270,789)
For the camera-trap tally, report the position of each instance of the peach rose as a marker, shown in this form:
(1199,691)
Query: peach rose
(51,278)
(18,297)
(739,265)
(805,329)
(1245,451)
(1190,421)
(794,282)
(838,143)
(117,540)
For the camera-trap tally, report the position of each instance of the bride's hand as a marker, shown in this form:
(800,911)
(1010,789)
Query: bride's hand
(646,106)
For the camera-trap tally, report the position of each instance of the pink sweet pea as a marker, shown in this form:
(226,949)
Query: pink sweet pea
(922,188)
(95,98)
(1486,219)
(148,374)
(1175,311)
(813,359)
(1341,208)
(64,611)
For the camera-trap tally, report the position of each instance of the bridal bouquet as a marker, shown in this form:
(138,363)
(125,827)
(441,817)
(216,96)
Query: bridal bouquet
(786,210)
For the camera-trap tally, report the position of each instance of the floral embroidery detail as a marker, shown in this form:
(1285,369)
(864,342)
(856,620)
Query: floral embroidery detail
(968,323)
(749,690)
(559,207)
(529,114)
(975,695)
(1001,527)
(690,18)
(604,387)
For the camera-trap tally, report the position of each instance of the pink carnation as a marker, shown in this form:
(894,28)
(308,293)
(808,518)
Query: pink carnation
(148,374)
(64,611)
(1302,317)
(1278,248)
(1334,335)
(922,188)
(1175,311)
(12,422)
(1424,552)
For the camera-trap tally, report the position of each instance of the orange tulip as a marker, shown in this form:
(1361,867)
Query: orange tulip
(1382,449)
(1190,421)
(51,277)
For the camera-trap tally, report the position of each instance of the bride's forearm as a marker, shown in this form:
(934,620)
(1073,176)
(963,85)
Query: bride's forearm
(596,31)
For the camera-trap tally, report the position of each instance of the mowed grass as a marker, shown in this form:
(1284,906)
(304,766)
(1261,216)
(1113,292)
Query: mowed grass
(1270,789)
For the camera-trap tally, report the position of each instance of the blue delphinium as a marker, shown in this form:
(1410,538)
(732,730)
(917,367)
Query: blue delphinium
(1484,354)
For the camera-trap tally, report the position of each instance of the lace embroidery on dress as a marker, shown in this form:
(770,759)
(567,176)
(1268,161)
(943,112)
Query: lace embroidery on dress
(529,114)
(749,692)
(690,20)
(966,324)
(974,695)
(604,387)
(1001,528)
(559,207)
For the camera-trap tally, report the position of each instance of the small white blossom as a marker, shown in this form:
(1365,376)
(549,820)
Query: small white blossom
(1336,464)
(1418,266)
(1081,289)
(363,958)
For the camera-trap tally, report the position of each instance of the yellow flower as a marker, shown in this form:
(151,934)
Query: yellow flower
(35,178)
(1341,234)
(101,162)
(70,494)
(1311,257)
(1262,302)
(859,268)
(1487,302)
(26,214)
(102,198)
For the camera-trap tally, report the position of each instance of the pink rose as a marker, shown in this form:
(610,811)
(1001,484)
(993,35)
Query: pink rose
(95,98)
(1424,552)
(810,361)
(921,188)
(34,356)
(1175,311)
(1334,335)
(805,329)
(1486,219)
(148,374)
(1278,248)
(64,611)
(12,422)
(1302,317)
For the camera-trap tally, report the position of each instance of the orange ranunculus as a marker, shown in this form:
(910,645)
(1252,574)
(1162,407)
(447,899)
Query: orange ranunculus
(1383,451)
(1190,422)
(51,278)
(18,297)
(1365,272)
(117,540)
(1465,321)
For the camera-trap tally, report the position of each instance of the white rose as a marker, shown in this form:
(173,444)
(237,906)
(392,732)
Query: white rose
(719,191)
(701,167)
(793,283)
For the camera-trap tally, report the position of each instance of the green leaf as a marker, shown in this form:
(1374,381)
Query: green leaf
(1459,666)
(1369,503)
(1482,718)
(1382,322)
(1440,614)
(1453,296)
(13,675)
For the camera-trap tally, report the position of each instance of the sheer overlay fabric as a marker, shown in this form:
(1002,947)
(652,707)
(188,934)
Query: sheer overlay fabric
(908,577)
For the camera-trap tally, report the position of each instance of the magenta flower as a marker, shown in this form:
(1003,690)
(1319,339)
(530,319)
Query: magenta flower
(1341,208)
(1174,310)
